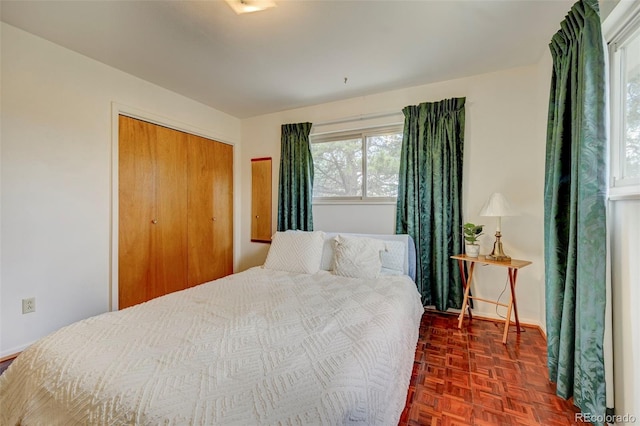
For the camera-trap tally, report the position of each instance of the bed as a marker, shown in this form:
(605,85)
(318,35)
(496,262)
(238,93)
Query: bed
(300,344)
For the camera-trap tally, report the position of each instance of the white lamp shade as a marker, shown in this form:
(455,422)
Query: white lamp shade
(497,205)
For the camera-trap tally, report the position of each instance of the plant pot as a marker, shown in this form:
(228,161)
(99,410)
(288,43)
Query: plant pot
(472,250)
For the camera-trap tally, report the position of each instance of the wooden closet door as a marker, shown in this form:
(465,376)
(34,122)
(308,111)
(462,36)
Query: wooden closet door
(223,209)
(152,217)
(137,210)
(210,222)
(170,236)
(200,194)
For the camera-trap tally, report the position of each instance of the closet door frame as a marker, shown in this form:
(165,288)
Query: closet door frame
(118,109)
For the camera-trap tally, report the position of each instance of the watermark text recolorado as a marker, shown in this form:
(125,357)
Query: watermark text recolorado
(609,418)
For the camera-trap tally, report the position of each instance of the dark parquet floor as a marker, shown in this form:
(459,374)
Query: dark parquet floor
(468,377)
(4,365)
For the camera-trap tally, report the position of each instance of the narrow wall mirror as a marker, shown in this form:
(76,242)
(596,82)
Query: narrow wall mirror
(261,200)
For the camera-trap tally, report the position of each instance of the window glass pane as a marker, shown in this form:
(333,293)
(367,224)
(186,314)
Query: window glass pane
(631,136)
(383,164)
(337,168)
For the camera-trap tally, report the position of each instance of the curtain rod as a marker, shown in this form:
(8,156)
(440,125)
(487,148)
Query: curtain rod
(358,118)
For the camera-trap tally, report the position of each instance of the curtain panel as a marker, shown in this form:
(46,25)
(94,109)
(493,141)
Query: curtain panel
(429,204)
(575,210)
(295,188)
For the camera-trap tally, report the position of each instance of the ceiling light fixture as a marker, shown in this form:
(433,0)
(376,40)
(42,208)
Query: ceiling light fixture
(247,6)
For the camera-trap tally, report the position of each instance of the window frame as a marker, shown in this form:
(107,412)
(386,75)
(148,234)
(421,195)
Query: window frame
(361,134)
(620,28)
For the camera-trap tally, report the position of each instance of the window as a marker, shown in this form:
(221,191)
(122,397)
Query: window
(631,109)
(357,166)
(625,108)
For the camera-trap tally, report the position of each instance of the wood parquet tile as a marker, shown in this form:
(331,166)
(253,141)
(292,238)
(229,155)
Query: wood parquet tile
(468,377)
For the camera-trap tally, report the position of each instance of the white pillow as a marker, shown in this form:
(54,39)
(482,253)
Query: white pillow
(327,253)
(295,252)
(393,258)
(387,271)
(357,257)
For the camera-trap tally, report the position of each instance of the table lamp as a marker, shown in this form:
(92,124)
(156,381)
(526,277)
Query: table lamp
(497,206)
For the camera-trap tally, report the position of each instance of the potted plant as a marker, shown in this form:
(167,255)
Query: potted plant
(471,234)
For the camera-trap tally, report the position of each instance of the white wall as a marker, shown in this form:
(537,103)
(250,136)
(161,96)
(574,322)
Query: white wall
(504,151)
(625,252)
(56,179)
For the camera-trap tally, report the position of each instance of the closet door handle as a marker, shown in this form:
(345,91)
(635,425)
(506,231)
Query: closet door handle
(154,221)
(213,219)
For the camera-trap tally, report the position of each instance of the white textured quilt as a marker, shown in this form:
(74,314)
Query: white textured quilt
(258,347)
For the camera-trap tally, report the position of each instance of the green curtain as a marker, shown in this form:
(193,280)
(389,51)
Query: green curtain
(295,189)
(574,210)
(429,206)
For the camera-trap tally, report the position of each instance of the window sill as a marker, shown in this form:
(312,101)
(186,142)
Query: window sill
(621,193)
(353,202)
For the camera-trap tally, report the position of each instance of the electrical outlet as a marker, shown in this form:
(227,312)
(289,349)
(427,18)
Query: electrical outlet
(28,305)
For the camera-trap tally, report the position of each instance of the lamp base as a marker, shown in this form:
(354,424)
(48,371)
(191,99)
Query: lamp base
(498,254)
(498,258)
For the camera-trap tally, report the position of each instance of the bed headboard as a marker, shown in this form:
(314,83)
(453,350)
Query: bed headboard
(406,242)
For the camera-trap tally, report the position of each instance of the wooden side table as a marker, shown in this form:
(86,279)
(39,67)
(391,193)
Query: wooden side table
(512,269)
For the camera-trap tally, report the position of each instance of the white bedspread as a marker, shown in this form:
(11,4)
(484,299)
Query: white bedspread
(258,347)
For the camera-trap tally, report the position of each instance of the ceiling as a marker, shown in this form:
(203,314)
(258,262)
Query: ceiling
(300,52)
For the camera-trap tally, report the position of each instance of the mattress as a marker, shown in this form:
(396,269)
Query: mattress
(257,347)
